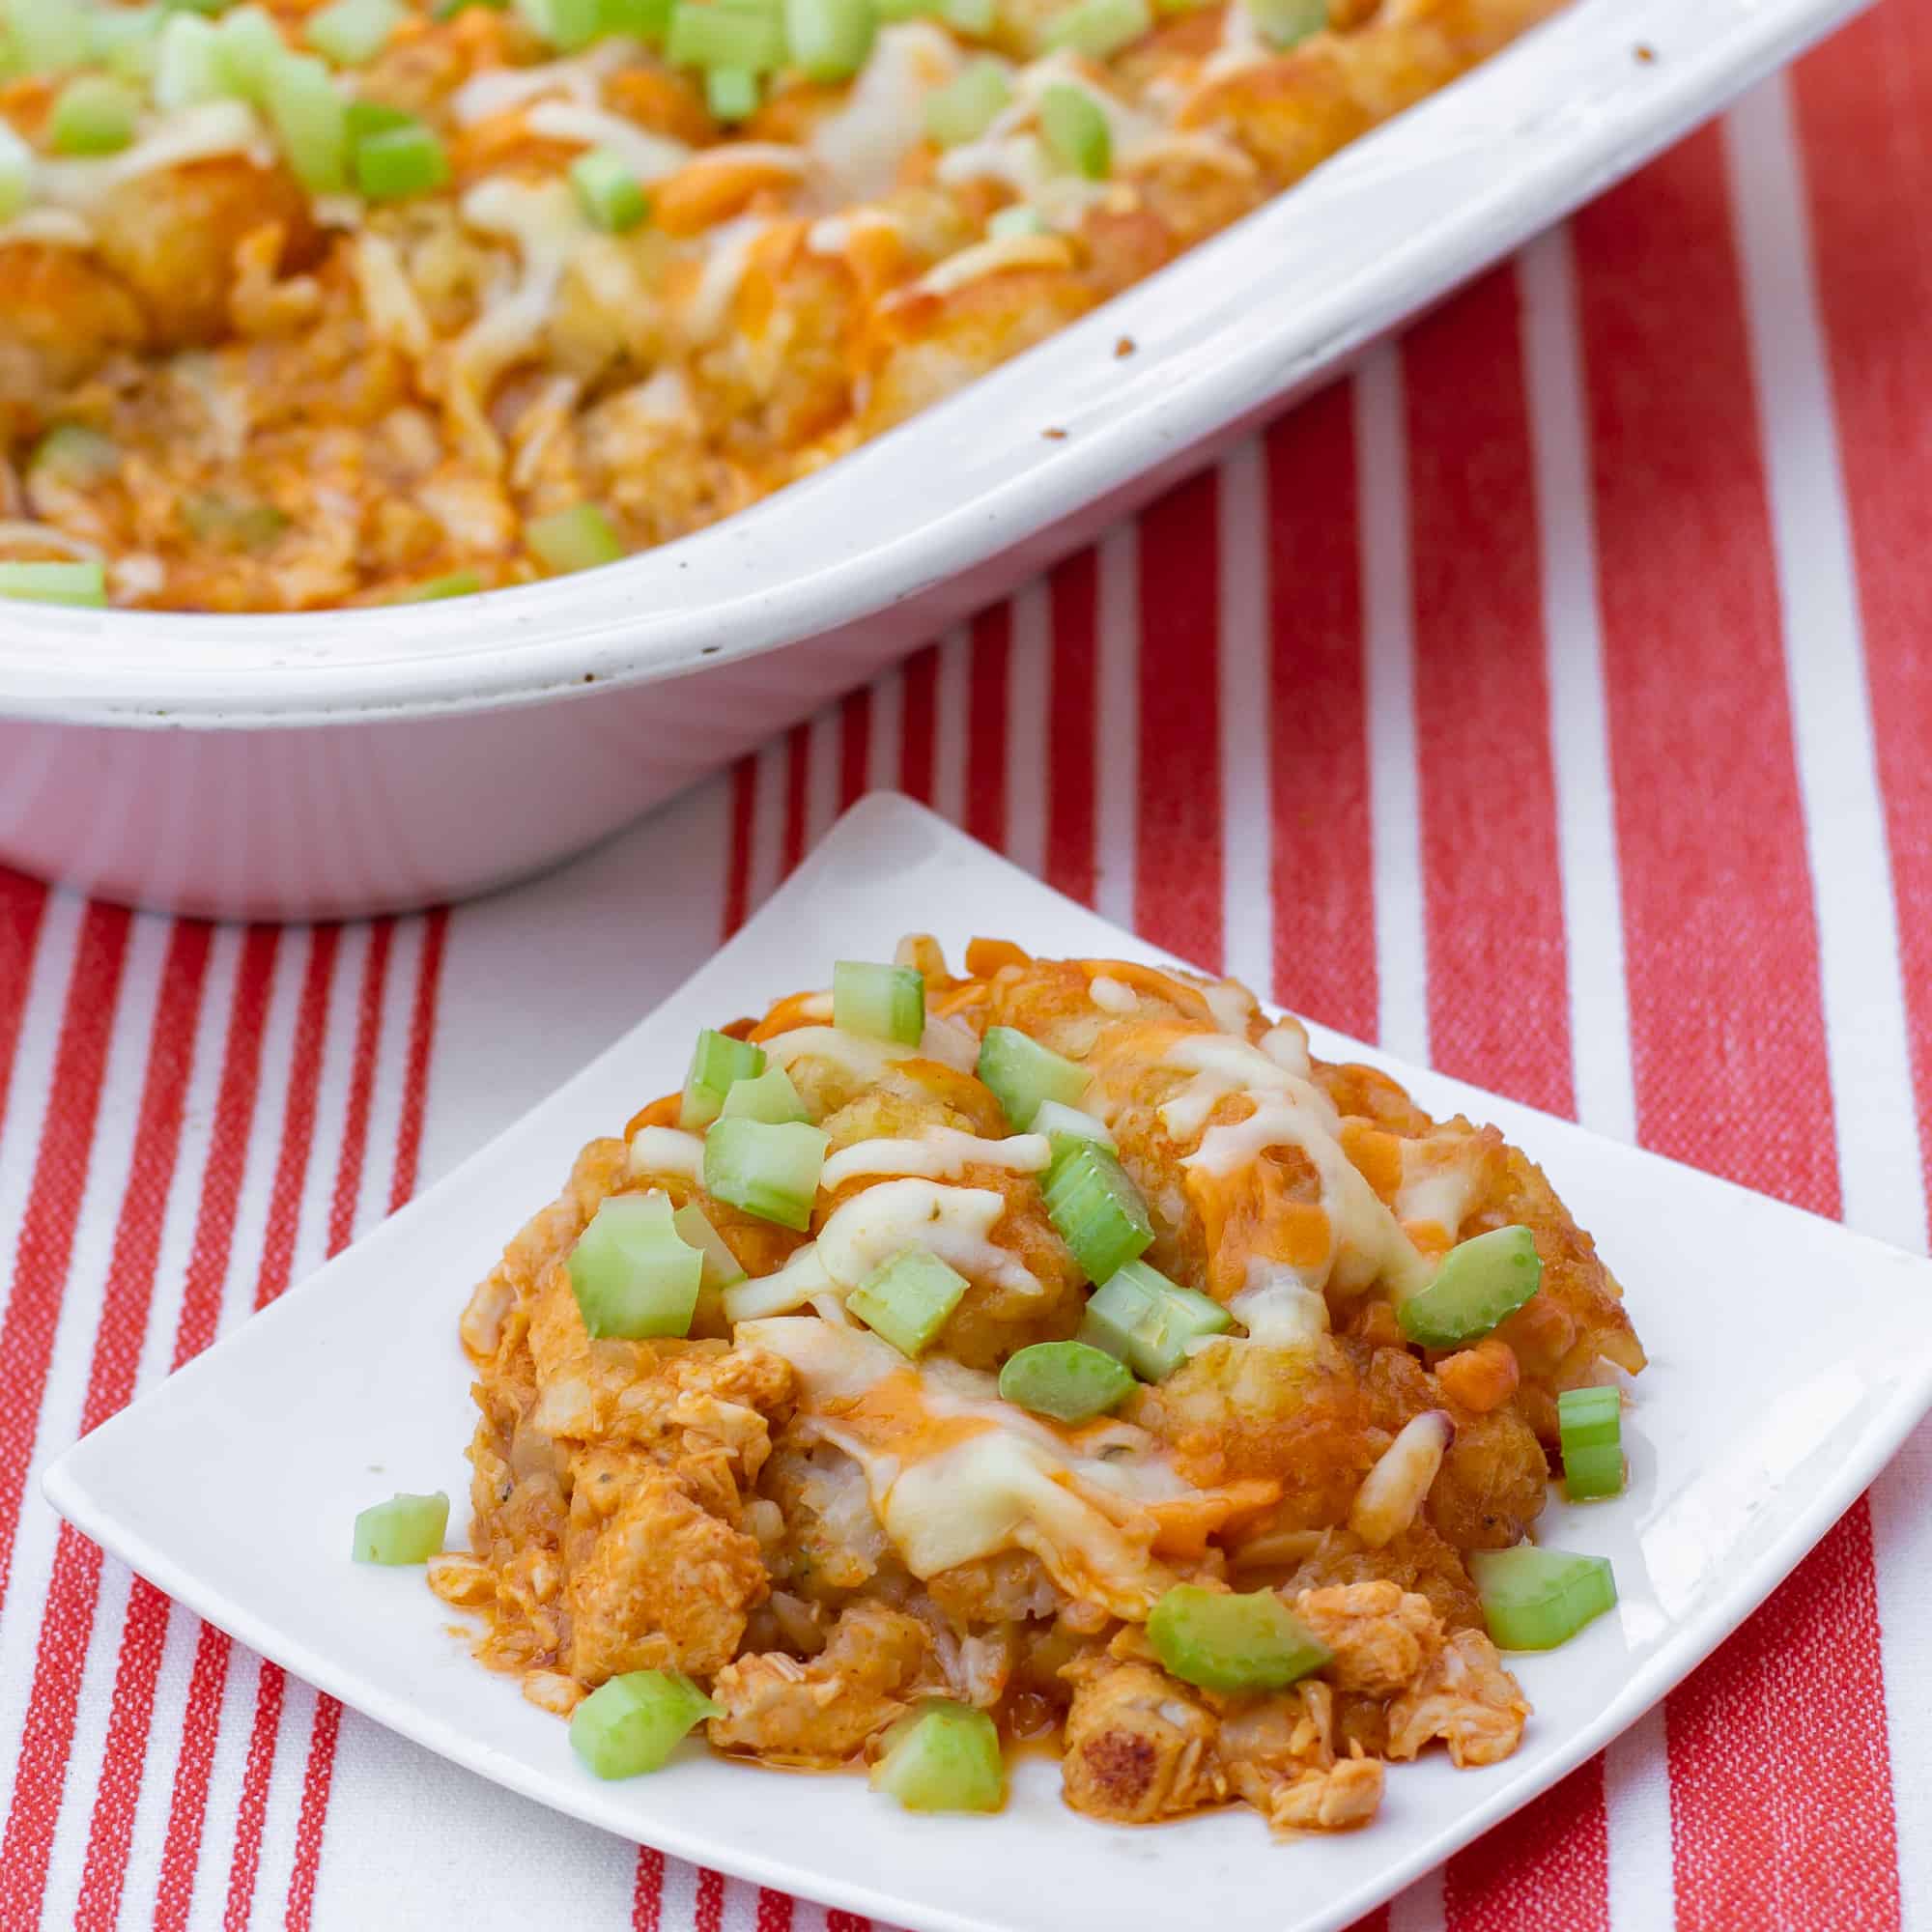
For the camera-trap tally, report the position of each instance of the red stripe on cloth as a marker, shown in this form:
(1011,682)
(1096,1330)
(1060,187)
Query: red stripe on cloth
(738,861)
(1546,1864)
(144,1633)
(348,1193)
(415,1071)
(708,1907)
(46,1247)
(648,1894)
(845,1921)
(1493,887)
(919,723)
(775,1911)
(1719,934)
(855,745)
(319,1774)
(201,1721)
(66,1622)
(798,778)
(1323,864)
(1178,870)
(22,903)
(986,725)
(1074,594)
(1875,289)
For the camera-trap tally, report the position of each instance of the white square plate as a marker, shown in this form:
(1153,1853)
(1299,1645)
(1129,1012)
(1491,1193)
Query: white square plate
(1788,1359)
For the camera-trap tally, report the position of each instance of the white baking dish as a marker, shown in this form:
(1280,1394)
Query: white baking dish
(342,762)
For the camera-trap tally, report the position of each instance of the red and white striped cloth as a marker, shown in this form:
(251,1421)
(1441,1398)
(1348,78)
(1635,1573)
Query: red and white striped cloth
(1552,701)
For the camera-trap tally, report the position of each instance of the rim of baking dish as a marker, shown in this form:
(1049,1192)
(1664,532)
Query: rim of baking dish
(1394,222)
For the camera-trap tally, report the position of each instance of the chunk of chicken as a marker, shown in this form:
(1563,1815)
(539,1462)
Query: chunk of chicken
(656,1582)
(1381,1636)
(1140,1747)
(1467,1700)
(822,1713)
(1344,1798)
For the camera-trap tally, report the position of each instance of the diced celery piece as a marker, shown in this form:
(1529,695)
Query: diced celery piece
(1590,1423)
(879,1002)
(1478,1284)
(909,1300)
(632,1724)
(1149,1322)
(74,453)
(1283,23)
(969,104)
(1098,28)
(433,589)
(1075,130)
(578,538)
(16,173)
(1022,1073)
(365,119)
(405,1529)
(1231,1643)
(248,48)
(640,20)
(49,36)
(768,1171)
(188,64)
(1097,1210)
(80,582)
(233,522)
(716,1062)
(1536,1599)
(767,1096)
(1071,1381)
(311,123)
(94,114)
(830,38)
(943,1757)
(633,1275)
(890,11)
(1068,1127)
(968,16)
(722,1269)
(126,39)
(1019,219)
(747,39)
(567,25)
(731,93)
(399,163)
(607,192)
(351,32)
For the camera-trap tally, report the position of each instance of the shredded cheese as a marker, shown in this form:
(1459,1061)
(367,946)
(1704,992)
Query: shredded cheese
(939,1154)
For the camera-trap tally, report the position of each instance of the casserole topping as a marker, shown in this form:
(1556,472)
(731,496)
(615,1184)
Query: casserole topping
(380,300)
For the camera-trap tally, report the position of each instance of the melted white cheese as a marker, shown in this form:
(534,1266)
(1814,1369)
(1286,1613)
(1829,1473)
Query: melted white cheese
(1010,1484)
(728,254)
(1115,995)
(863,1060)
(1278,1305)
(667,1150)
(863,147)
(954,1223)
(548,228)
(498,90)
(1231,1005)
(389,297)
(49,227)
(1222,1065)
(1439,1177)
(993,258)
(649,156)
(938,1154)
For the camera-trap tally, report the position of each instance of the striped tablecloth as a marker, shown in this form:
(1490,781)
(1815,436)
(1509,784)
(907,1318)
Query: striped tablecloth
(1552,699)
